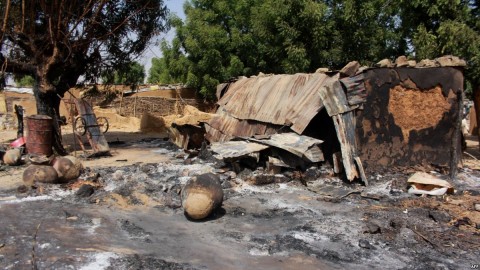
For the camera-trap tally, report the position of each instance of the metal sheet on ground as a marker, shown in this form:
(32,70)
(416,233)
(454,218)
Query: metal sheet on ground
(236,149)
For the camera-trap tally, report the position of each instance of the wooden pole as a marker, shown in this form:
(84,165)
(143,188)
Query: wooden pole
(121,103)
(456,148)
(135,107)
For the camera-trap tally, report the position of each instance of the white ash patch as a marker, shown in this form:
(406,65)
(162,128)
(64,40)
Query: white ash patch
(258,252)
(250,189)
(100,261)
(44,245)
(55,194)
(280,204)
(96,222)
(309,237)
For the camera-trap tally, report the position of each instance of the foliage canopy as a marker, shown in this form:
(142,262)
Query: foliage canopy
(223,39)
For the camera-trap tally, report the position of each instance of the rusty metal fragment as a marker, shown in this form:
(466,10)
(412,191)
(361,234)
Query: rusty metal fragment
(236,149)
(186,136)
(334,99)
(301,146)
(355,89)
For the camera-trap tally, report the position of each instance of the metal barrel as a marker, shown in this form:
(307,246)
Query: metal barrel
(39,134)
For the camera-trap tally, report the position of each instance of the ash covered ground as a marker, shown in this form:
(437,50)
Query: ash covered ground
(130,217)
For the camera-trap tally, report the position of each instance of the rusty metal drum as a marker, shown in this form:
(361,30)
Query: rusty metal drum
(39,134)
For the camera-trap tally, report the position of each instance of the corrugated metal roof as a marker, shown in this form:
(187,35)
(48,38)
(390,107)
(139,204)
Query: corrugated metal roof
(283,100)
(223,127)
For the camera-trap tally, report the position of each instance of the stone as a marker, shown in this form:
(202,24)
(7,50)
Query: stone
(373,228)
(385,63)
(451,61)
(477,207)
(363,243)
(362,69)
(427,63)
(85,191)
(12,157)
(117,175)
(322,70)
(350,69)
(412,63)
(401,61)
(439,216)
(202,195)
(39,173)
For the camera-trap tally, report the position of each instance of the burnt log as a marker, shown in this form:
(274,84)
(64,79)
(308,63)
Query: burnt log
(19,113)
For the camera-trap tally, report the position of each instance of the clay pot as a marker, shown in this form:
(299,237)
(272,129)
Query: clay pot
(39,173)
(201,195)
(77,164)
(12,156)
(67,169)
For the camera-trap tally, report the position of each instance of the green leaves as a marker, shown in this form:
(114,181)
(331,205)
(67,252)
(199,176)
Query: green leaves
(133,75)
(222,39)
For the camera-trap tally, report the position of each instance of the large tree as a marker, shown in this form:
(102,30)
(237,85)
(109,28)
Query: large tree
(223,39)
(57,41)
(172,67)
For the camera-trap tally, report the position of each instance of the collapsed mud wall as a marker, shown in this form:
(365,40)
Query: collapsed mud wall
(409,116)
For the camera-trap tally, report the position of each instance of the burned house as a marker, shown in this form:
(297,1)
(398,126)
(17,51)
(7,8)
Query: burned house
(359,119)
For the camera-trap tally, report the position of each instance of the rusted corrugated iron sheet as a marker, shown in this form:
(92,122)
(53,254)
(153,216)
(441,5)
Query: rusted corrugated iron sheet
(334,98)
(236,149)
(301,146)
(223,127)
(355,89)
(284,100)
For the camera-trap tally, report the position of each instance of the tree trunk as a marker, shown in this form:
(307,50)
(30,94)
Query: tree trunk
(476,104)
(48,103)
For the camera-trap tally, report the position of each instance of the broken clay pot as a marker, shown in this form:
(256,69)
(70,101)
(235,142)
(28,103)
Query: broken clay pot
(202,195)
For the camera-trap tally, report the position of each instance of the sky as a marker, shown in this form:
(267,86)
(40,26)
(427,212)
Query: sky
(176,7)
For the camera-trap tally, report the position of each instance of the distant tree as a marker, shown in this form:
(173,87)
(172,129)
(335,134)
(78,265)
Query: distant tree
(132,75)
(158,73)
(172,67)
(56,42)
(24,81)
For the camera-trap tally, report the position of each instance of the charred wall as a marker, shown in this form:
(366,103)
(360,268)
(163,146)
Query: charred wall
(409,116)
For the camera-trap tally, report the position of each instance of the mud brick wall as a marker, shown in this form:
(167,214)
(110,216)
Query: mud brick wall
(409,117)
(158,106)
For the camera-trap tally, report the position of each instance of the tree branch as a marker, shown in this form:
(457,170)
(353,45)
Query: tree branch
(12,66)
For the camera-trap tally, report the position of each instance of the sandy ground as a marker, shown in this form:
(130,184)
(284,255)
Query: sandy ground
(125,144)
(134,219)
